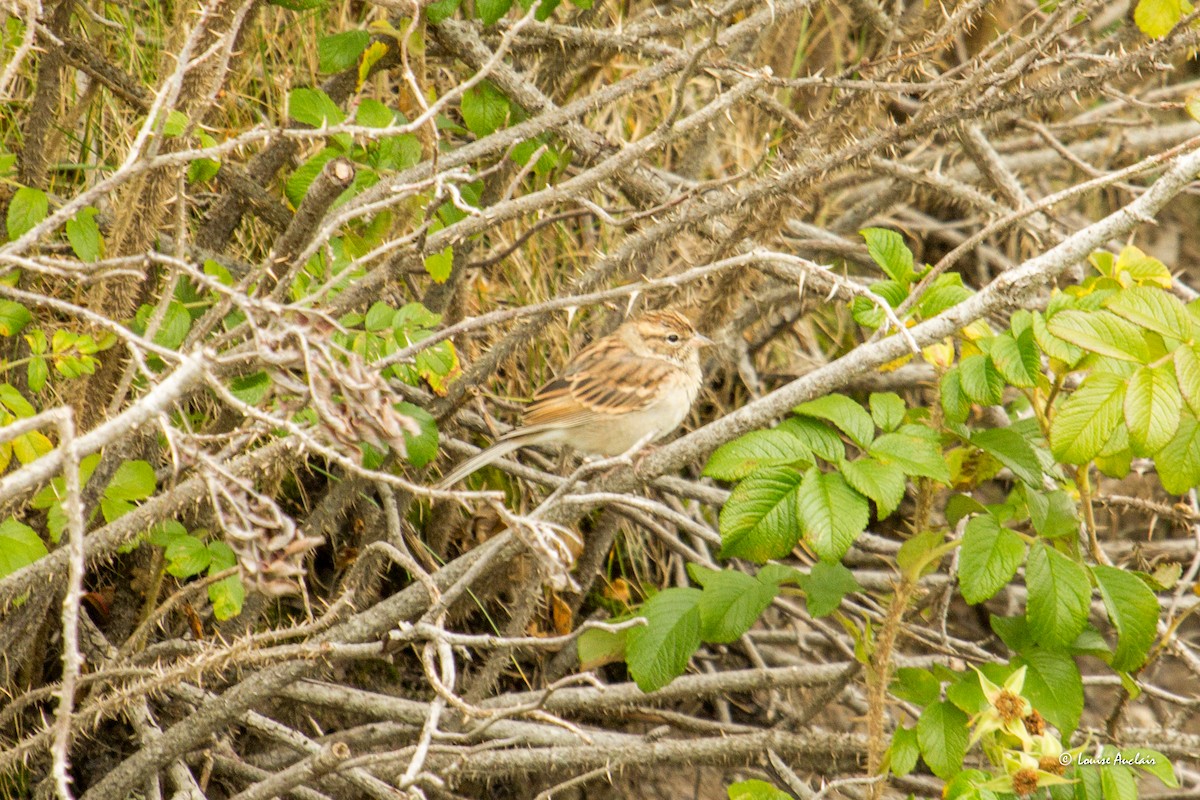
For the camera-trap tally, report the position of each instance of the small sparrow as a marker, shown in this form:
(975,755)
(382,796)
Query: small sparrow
(639,381)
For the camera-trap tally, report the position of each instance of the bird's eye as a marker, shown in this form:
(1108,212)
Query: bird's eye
(673,338)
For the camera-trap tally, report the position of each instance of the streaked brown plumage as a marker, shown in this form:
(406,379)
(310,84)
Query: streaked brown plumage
(639,381)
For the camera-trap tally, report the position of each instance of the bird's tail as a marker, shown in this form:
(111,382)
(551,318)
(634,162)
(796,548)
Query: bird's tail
(500,449)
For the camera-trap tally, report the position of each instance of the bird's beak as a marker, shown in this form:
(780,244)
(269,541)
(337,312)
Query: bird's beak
(702,340)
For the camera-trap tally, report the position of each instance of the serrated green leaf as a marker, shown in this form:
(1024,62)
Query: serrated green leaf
(314,108)
(1053,346)
(1152,405)
(916,685)
(1153,308)
(946,292)
(660,651)
(302,177)
(815,435)
(598,647)
(84,235)
(341,50)
(1059,595)
(942,735)
(826,585)
(221,556)
(915,455)
(422,448)
(1156,18)
(1187,374)
(735,460)
(1017,358)
(439,265)
(1101,332)
(490,11)
(227,596)
(1054,687)
(26,209)
(20,546)
(731,602)
(251,389)
(904,751)
(441,10)
(980,380)
(13,317)
(1133,610)
(133,480)
(1052,514)
(1153,762)
(1085,421)
(883,483)
(755,790)
(851,418)
(484,108)
(955,403)
(186,556)
(759,520)
(887,409)
(1179,462)
(887,249)
(1012,450)
(831,513)
(988,559)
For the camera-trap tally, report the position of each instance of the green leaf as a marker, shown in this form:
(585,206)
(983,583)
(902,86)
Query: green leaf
(1179,462)
(439,265)
(832,514)
(15,402)
(955,404)
(883,483)
(84,235)
(1133,609)
(227,596)
(942,735)
(37,373)
(731,603)
(1153,762)
(1012,450)
(758,521)
(946,292)
(916,685)
(816,436)
(133,480)
(1053,346)
(887,249)
(20,546)
(1156,18)
(186,556)
(735,460)
(1013,631)
(851,418)
(598,647)
(756,790)
(887,409)
(441,10)
(659,652)
(13,317)
(221,556)
(989,558)
(1054,687)
(981,382)
(826,585)
(251,389)
(484,107)
(1153,308)
(1059,595)
(422,448)
(26,209)
(314,108)
(1085,421)
(915,455)
(1187,373)
(1152,404)
(490,11)
(1101,332)
(341,50)
(1017,359)
(1052,514)
(302,177)
(903,754)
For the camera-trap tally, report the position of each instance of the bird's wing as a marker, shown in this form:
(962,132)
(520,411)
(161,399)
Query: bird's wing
(602,383)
